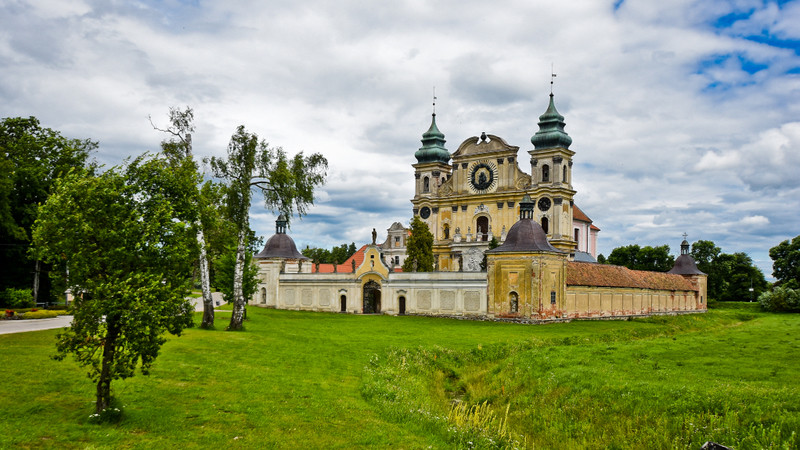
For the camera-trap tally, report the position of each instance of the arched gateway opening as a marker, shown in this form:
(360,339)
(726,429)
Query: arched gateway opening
(372,298)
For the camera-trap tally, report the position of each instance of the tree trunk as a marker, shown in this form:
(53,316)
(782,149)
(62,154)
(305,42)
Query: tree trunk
(205,283)
(36,273)
(237,317)
(104,382)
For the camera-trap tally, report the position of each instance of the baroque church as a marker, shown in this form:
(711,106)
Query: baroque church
(475,198)
(542,268)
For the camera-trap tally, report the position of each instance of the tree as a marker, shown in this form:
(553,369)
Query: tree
(128,256)
(32,158)
(336,254)
(419,248)
(786,263)
(179,150)
(737,275)
(225,267)
(655,259)
(285,183)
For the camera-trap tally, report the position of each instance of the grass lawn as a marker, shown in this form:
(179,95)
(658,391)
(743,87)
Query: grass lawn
(318,380)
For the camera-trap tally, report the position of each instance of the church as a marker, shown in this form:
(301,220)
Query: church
(542,269)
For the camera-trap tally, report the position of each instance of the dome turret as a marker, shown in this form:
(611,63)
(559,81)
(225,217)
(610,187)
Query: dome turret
(280,245)
(684,264)
(432,149)
(551,132)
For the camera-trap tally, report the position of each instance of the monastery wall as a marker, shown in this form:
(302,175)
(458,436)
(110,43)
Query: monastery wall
(437,293)
(593,301)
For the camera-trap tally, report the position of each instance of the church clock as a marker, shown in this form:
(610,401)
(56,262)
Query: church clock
(544,204)
(483,177)
(425,212)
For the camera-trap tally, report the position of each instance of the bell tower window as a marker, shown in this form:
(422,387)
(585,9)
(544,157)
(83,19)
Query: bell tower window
(545,173)
(564,178)
(545,225)
(426,184)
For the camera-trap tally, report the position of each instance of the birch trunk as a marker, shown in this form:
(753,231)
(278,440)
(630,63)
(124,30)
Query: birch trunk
(36,273)
(237,317)
(205,283)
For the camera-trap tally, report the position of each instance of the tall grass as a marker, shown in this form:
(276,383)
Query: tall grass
(315,380)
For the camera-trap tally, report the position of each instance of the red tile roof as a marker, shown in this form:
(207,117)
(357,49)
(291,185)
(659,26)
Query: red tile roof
(606,275)
(346,266)
(577,214)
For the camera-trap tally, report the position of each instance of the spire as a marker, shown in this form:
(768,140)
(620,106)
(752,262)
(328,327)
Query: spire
(432,149)
(551,132)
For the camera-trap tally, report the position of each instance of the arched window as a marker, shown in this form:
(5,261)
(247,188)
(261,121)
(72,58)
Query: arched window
(446,231)
(263,296)
(545,225)
(343,301)
(401,305)
(513,302)
(564,178)
(545,173)
(426,184)
(577,235)
(482,228)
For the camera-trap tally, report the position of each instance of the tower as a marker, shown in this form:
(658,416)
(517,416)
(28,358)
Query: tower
(551,178)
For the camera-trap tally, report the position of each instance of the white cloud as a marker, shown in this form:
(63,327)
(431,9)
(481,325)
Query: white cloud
(672,131)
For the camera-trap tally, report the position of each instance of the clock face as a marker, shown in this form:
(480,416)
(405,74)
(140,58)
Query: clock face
(544,204)
(425,212)
(483,177)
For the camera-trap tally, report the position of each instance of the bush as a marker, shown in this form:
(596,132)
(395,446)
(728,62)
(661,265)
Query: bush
(17,298)
(781,299)
(39,314)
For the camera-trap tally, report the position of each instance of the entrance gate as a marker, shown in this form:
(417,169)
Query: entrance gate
(372,298)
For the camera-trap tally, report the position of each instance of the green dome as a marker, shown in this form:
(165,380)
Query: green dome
(432,149)
(551,132)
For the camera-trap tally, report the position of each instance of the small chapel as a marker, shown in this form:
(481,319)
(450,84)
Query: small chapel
(543,266)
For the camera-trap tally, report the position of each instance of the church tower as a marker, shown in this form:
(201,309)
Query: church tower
(551,179)
(430,172)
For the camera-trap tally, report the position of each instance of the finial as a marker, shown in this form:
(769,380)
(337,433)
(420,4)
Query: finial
(434,100)
(685,236)
(552,77)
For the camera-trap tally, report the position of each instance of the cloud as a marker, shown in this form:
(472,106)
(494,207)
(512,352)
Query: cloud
(683,114)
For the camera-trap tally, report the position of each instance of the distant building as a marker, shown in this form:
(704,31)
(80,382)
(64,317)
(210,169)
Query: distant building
(544,268)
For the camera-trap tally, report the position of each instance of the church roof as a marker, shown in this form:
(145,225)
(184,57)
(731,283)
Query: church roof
(607,275)
(579,215)
(551,132)
(685,264)
(525,236)
(280,245)
(432,149)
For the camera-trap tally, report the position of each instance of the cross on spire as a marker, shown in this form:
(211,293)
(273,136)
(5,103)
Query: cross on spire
(685,236)
(552,77)
(434,100)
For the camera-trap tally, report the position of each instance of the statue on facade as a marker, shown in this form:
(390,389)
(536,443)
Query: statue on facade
(374,236)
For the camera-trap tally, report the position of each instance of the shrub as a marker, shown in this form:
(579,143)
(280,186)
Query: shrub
(781,299)
(39,314)
(17,298)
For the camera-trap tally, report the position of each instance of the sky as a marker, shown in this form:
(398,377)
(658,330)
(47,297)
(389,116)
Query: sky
(685,115)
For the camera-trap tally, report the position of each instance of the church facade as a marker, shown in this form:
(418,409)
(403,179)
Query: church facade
(472,196)
(542,269)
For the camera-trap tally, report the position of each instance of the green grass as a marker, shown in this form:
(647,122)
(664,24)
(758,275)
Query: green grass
(316,380)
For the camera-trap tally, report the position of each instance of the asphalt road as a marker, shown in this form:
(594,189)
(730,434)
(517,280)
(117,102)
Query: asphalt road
(21,326)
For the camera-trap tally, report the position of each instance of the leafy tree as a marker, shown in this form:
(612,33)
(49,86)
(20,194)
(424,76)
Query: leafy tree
(128,253)
(286,184)
(601,259)
(419,247)
(32,158)
(225,267)
(786,263)
(335,255)
(179,150)
(737,274)
(655,259)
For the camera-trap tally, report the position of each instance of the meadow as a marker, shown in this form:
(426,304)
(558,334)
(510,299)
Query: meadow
(317,380)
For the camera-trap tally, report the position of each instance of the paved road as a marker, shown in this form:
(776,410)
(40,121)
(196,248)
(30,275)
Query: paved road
(21,326)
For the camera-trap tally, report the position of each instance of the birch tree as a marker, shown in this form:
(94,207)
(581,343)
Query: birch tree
(179,148)
(286,184)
